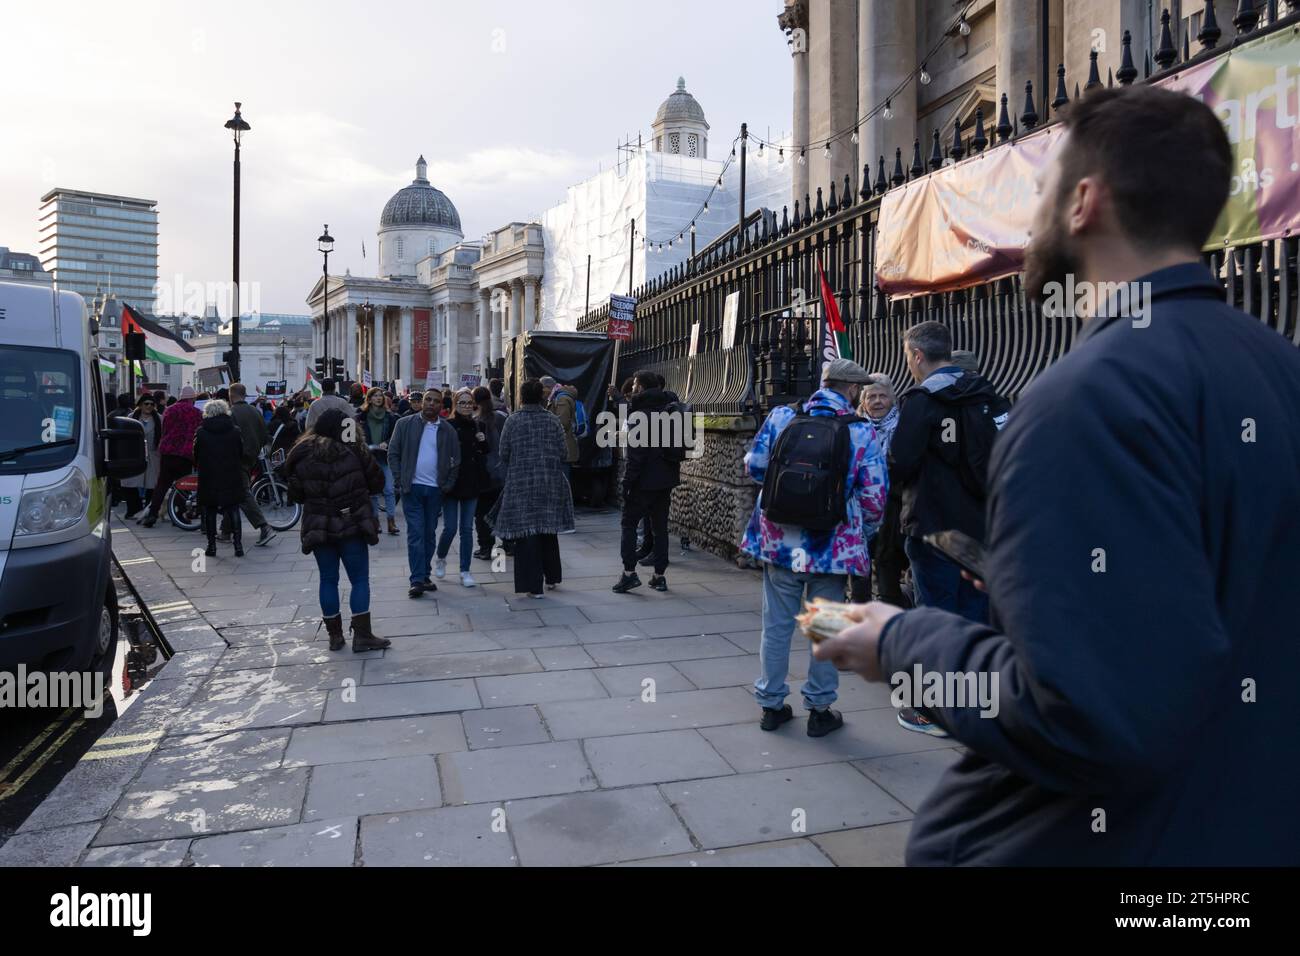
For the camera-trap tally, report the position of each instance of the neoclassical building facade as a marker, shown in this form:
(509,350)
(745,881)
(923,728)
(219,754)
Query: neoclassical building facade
(440,304)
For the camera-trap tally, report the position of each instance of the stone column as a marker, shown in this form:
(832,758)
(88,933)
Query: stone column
(453,342)
(832,61)
(407,367)
(379,348)
(1019,52)
(350,341)
(887,39)
(516,307)
(530,303)
(484,329)
(795,20)
(498,319)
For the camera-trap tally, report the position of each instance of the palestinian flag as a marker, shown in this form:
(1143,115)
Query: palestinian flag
(312,386)
(835,340)
(106,367)
(159,345)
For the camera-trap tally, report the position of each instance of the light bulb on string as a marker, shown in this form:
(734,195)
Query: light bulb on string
(692,229)
(826,151)
(854,138)
(760,148)
(963,27)
(925,76)
(802,161)
(889,110)
(780,156)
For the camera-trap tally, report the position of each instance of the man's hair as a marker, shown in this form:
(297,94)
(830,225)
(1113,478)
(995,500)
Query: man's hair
(214,408)
(1163,156)
(649,379)
(530,392)
(327,386)
(495,387)
(238,391)
(932,338)
(415,397)
(124,400)
(223,394)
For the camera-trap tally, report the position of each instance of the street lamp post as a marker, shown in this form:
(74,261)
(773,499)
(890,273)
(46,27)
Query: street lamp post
(325,243)
(283,343)
(237,125)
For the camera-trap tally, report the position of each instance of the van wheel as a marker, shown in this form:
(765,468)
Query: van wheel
(106,634)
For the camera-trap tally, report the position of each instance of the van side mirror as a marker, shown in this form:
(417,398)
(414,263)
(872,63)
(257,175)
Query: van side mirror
(124,454)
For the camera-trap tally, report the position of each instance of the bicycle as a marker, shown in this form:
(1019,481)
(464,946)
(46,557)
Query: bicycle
(272,494)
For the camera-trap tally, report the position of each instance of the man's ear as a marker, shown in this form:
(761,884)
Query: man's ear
(1085,208)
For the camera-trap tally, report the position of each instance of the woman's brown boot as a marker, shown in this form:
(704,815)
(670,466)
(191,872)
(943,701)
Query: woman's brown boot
(392,525)
(334,627)
(364,639)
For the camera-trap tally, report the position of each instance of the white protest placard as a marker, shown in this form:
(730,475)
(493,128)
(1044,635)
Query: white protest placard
(729,312)
(695,340)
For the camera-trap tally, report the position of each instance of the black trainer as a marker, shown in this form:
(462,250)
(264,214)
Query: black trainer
(415,591)
(822,722)
(626,583)
(658,582)
(427,585)
(774,718)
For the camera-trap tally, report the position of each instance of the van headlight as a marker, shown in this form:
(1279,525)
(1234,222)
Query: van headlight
(43,510)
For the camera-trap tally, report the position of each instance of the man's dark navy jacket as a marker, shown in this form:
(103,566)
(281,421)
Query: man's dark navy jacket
(1173,452)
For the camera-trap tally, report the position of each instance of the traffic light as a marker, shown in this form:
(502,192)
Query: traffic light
(320,367)
(228,358)
(337,370)
(133,345)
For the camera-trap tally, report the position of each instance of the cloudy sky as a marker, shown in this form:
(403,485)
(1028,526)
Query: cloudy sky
(510,101)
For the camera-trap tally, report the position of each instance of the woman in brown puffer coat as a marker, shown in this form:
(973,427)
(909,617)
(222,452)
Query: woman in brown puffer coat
(334,480)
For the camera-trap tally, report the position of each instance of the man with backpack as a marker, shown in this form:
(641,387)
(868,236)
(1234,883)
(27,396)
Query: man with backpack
(824,486)
(656,448)
(938,461)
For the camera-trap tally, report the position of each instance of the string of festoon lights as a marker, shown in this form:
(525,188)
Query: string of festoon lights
(653,245)
(960,27)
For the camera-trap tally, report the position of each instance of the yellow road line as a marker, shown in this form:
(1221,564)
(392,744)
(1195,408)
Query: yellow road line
(121,752)
(36,742)
(126,738)
(40,761)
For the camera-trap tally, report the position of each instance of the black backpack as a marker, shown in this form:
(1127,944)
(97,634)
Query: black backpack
(806,472)
(976,430)
(676,452)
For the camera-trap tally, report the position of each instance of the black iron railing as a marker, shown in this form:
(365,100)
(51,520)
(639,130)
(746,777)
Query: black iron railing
(774,357)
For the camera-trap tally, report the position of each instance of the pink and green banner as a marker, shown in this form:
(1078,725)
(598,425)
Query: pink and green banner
(968,223)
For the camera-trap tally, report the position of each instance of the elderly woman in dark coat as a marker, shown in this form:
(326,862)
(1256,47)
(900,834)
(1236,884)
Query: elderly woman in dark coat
(217,449)
(535,504)
(334,480)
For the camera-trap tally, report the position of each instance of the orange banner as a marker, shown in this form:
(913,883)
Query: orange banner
(963,224)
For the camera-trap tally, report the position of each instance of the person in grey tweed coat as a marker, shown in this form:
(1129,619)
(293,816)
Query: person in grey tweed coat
(536,503)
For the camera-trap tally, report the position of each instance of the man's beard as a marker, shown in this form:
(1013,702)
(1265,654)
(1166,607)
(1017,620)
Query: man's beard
(1049,258)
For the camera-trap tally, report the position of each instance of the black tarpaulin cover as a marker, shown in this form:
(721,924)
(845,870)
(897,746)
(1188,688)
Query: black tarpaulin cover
(581,359)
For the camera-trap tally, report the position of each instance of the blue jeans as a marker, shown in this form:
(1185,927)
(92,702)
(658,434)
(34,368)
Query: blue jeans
(355,555)
(458,515)
(390,504)
(939,583)
(422,507)
(783,593)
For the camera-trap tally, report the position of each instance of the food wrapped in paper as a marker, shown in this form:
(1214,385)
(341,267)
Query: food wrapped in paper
(821,619)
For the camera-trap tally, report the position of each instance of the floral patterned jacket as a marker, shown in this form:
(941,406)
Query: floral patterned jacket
(844,550)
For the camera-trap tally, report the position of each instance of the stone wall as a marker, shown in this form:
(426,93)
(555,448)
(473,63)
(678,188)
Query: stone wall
(713,503)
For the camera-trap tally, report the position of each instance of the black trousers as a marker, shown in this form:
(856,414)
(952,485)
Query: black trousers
(485,502)
(888,562)
(537,558)
(229,517)
(638,506)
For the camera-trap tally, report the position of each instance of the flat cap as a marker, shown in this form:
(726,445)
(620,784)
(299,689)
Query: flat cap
(845,370)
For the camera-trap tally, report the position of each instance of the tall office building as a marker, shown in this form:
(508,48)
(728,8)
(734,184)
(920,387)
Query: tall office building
(92,242)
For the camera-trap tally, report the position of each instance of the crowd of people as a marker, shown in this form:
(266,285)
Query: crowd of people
(1121,680)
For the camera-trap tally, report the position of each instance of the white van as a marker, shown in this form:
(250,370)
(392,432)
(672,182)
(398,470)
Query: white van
(58,605)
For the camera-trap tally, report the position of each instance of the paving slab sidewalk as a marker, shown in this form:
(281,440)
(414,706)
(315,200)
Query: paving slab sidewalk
(583,729)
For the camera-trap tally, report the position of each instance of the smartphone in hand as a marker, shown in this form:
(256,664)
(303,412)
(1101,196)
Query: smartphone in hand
(961,549)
